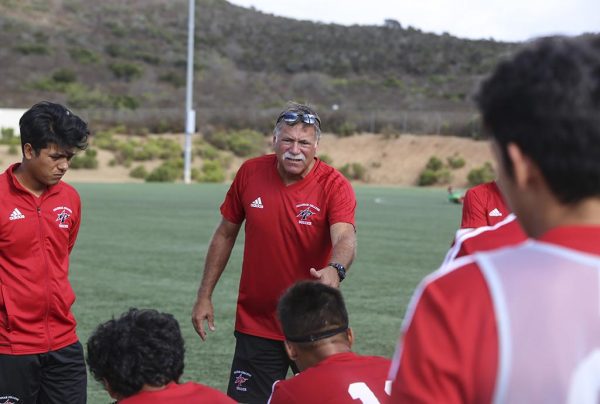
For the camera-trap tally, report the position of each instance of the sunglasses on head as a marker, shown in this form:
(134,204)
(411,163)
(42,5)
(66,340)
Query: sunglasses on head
(291,118)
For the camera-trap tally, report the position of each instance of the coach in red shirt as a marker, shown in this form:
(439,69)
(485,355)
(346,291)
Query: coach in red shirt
(299,215)
(483,205)
(318,339)
(41,359)
(521,324)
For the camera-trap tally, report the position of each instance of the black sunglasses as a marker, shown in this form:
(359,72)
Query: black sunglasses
(291,118)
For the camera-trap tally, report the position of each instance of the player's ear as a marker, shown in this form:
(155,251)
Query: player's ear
(28,152)
(350,335)
(291,350)
(524,170)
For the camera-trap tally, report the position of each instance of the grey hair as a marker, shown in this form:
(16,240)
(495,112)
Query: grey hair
(298,108)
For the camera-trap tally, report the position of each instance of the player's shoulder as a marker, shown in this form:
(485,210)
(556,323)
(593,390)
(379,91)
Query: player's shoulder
(68,190)
(330,176)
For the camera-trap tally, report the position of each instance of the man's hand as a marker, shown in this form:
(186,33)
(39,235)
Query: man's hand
(327,276)
(203,310)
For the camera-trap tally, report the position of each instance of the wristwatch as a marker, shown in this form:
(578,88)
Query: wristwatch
(341,270)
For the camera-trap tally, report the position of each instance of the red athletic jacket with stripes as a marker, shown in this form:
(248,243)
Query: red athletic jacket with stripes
(36,238)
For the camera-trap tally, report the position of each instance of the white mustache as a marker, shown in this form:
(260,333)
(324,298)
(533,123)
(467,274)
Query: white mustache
(299,156)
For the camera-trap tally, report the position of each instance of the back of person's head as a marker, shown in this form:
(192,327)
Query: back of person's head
(301,110)
(142,347)
(546,100)
(48,123)
(310,311)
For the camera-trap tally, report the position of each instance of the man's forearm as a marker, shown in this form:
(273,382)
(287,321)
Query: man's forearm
(217,256)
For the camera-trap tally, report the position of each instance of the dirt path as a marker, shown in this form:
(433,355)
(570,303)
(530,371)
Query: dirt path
(388,160)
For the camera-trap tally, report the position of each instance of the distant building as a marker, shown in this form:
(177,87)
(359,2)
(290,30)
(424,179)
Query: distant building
(9,118)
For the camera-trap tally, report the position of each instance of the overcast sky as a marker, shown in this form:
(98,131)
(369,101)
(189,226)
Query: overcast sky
(503,20)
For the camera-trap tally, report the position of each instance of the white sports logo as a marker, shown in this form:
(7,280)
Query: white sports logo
(16,214)
(495,213)
(257,203)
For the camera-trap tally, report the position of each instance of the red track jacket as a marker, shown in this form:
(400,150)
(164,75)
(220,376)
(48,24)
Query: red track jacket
(36,237)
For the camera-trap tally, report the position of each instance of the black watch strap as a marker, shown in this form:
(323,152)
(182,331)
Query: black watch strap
(341,270)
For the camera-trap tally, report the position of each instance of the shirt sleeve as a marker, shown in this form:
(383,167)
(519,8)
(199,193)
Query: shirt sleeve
(232,208)
(342,202)
(448,351)
(473,212)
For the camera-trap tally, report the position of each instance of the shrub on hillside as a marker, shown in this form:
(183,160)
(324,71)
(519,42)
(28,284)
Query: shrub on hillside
(168,171)
(481,174)
(243,143)
(212,171)
(427,177)
(434,163)
(87,160)
(139,172)
(455,161)
(354,171)
(126,70)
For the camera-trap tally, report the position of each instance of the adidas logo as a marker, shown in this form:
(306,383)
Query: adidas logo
(257,203)
(16,214)
(495,213)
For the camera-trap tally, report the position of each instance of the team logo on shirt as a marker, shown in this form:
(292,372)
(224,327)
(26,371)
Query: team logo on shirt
(305,212)
(241,377)
(63,214)
(9,400)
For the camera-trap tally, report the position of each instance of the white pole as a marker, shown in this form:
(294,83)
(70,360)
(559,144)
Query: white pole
(190,114)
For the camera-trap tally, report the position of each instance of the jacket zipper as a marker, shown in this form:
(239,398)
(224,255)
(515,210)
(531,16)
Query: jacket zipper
(43,248)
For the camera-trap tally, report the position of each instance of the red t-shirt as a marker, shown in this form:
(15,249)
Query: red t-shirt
(287,233)
(449,349)
(503,234)
(483,206)
(185,393)
(341,378)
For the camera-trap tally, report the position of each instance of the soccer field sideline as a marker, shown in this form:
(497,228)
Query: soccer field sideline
(143,245)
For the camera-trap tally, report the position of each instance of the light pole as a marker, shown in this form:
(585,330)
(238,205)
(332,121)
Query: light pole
(190,114)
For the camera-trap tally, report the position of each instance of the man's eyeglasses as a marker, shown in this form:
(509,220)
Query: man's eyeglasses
(291,118)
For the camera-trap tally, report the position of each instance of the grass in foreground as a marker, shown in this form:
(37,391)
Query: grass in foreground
(143,245)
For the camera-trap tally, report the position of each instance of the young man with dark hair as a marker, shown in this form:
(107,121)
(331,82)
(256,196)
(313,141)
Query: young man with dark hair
(41,359)
(139,359)
(520,324)
(318,339)
(299,224)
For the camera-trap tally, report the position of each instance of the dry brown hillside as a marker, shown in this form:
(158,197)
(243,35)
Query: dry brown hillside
(388,160)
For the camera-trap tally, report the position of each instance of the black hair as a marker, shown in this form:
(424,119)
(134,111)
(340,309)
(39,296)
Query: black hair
(311,308)
(46,123)
(546,100)
(141,347)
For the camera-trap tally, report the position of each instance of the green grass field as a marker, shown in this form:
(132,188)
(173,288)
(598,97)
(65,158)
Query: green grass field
(143,245)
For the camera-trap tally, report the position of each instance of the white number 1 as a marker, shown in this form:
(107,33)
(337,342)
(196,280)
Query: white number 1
(360,391)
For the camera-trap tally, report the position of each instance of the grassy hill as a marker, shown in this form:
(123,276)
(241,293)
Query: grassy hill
(124,62)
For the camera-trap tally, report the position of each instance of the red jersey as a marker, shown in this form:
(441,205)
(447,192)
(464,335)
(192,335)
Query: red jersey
(36,238)
(502,234)
(339,379)
(287,233)
(483,206)
(450,349)
(174,393)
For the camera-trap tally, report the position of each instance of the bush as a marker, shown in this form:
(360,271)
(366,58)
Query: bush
(427,177)
(434,164)
(64,76)
(13,150)
(212,171)
(242,143)
(9,138)
(126,70)
(83,56)
(87,160)
(456,162)
(481,174)
(139,172)
(169,171)
(354,171)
